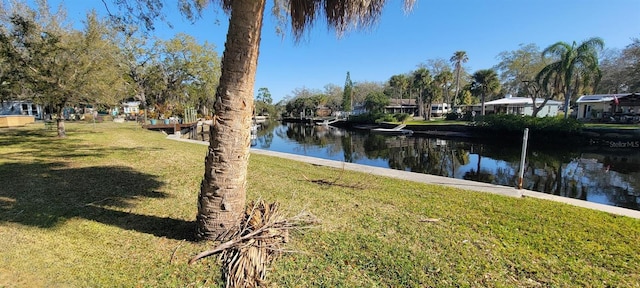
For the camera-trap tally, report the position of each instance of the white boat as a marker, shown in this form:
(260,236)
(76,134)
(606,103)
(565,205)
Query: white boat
(259,119)
(327,122)
(398,130)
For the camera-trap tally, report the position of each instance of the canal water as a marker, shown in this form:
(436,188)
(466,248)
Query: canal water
(608,175)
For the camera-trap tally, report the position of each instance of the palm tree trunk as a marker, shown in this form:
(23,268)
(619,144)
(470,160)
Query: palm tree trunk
(482,103)
(223,192)
(567,99)
(567,96)
(455,97)
(445,91)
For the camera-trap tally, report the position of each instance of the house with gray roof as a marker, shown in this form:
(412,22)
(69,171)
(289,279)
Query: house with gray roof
(609,107)
(522,106)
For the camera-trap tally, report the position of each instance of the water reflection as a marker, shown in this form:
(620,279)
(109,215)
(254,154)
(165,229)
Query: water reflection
(608,176)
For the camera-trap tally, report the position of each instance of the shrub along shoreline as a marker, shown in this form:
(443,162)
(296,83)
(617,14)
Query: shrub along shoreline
(545,130)
(113,205)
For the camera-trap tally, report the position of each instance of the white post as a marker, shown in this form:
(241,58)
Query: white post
(525,138)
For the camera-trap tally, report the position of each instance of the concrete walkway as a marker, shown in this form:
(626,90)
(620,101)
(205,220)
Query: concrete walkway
(439,180)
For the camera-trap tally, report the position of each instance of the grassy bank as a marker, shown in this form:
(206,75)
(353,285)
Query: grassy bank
(112,205)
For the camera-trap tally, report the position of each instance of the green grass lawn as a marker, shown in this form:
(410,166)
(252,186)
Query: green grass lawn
(113,205)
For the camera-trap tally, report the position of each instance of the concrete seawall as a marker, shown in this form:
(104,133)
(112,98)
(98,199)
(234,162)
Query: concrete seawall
(439,180)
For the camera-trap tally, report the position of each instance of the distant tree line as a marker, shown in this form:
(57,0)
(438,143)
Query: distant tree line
(44,60)
(562,71)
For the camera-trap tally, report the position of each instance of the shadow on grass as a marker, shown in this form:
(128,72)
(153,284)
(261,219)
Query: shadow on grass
(44,144)
(46,195)
(21,136)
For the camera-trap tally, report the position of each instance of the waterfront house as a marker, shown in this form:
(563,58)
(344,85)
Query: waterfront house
(410,107)
(131,107)
(623,107)
(396,106)
(522,106)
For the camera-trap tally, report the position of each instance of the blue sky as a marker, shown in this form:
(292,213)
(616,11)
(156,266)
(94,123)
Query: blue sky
(399,42)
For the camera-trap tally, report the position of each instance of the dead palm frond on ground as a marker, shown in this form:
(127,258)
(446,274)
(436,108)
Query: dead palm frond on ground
(264,229)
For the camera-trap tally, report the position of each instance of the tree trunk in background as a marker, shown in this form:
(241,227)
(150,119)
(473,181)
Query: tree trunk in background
(62,132)
(223,191)
(143,99)
(421,104)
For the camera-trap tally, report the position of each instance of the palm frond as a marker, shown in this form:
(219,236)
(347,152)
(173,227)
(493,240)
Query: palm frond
(340,15)
(591,44)
(556,50)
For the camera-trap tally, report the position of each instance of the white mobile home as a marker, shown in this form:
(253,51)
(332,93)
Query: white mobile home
(522,106)
(439,109)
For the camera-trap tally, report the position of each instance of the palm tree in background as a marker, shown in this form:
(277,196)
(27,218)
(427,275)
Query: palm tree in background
(421,78)
(400,83)
(575,65)
(444,81)
(457,59)
(485,82)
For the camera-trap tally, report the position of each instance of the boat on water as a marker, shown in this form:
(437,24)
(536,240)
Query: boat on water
(259,118)
(398,130)
(327,122)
